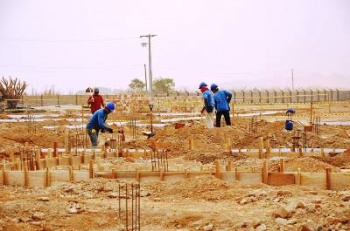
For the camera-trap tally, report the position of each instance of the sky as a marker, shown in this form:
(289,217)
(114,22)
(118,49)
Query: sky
(69,45)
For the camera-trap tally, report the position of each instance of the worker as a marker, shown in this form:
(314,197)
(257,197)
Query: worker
(97,123)
(290,111)
(289,124)
(95,101)
(208,108)
(222,99)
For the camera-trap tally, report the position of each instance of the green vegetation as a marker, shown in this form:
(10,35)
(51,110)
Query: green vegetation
(160,85)
(137,85)
(163,85)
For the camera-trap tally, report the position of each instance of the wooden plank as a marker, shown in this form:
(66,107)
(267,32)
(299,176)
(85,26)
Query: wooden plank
(250,177)
(228,176)
(314,179)
(271,154)
(81,176)
(279,179)
(149,176)
(37,178)
(14,178)
(174,176)
(59,176)
(339,181)
(192,174)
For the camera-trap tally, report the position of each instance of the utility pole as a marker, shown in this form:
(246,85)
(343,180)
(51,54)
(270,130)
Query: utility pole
(149,36)
(144,66)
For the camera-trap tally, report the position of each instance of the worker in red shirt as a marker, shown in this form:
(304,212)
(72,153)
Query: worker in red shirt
(95,101)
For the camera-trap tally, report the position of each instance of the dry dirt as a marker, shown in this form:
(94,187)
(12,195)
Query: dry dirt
(201,203)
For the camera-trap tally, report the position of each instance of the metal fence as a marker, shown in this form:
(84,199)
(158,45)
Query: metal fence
(288,96)
(239,96)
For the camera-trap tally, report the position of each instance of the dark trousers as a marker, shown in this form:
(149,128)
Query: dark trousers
(226,116)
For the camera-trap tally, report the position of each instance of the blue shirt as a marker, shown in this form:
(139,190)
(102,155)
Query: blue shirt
(222,100)
(98,119)
(208,99)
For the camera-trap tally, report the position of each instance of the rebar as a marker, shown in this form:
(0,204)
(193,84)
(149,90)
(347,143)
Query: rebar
(131,213)
(159,160)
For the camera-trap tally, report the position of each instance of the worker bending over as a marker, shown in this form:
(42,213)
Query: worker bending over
(97,123)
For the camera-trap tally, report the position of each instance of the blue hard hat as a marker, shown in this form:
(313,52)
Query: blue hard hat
(213,86)
(110,106)
(203,84)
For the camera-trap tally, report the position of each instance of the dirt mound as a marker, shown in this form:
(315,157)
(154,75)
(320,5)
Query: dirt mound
(340,160)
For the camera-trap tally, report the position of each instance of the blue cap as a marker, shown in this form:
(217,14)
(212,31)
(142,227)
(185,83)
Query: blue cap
(213,86)
(203,84)
(110,106)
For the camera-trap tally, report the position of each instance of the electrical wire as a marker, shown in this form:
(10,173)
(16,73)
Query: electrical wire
(67,40)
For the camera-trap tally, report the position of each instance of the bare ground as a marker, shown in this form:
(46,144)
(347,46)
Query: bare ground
(201,203)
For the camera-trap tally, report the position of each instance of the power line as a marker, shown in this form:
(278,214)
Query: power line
(66,40)
(132,66)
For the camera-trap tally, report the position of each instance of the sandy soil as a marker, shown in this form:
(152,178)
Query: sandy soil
(201,203)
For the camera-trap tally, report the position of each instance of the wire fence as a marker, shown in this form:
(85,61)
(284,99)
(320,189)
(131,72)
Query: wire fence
(177,100)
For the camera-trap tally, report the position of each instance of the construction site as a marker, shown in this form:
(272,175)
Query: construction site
(164,170)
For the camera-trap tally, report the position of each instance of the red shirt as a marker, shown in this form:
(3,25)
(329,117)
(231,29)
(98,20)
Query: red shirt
(95,102)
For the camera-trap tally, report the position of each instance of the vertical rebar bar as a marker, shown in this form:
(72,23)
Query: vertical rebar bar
(132,206)
(126,207)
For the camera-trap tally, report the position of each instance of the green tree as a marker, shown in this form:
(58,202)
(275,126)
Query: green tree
(12,90)
(137,84)
(163,85)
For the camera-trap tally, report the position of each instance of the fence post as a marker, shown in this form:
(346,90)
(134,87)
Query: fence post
(338,95)
(251,97)
(265,172)
(297,96)
(267,96)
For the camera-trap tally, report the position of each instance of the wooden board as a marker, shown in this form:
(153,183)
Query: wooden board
(339,181)
(80,176)
(278,179)
(59,176)
(228,176)
(250,177)
(37,178)
(314,179)
(14,178)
